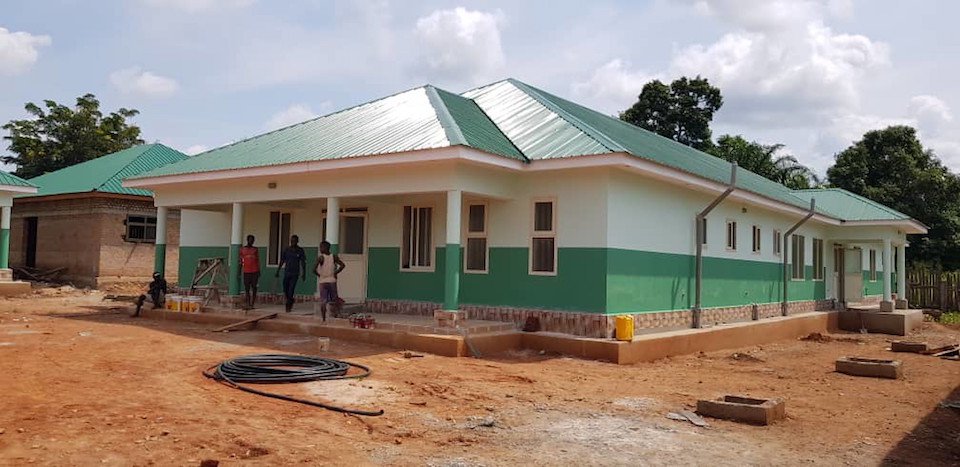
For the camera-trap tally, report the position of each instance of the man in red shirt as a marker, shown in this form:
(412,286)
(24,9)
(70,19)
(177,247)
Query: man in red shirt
(250,265)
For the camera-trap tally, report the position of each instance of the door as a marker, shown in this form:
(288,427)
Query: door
(30,241)
(853,275)
(352,282)
(837,278)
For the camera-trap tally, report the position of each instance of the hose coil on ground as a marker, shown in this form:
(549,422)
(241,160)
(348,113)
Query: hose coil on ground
(284,368)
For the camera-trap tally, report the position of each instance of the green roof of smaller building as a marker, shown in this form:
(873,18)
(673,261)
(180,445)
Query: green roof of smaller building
(9,179)
(849,206)
(105,173)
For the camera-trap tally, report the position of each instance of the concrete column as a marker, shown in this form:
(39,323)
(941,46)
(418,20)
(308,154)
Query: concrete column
(902,277)
(451,285)
(236,238)
(160,253)
(333,224)
(5,237)
(887,303)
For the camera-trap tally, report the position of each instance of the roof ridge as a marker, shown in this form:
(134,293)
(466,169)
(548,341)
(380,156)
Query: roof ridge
(588,130)
(450,126)
(146,150)
(481,111)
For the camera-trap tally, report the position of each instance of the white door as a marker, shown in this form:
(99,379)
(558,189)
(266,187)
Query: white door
(352,282)
(853,275)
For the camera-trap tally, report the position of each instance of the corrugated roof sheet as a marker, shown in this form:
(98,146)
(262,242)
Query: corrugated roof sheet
(105,173)
(850,206)
(13,180)
(474,126)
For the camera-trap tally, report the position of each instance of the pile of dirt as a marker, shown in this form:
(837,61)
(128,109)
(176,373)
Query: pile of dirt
(744,357)
(823,338)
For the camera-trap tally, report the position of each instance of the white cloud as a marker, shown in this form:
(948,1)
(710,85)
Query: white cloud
(294,114)
(931,113)
(195,149)
(19,51)
(198,6)
(461,44)
(136,81)
(613,86)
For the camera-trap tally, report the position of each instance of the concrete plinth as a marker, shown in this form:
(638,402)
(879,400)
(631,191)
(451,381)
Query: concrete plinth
(901,304)
(11,288)
(897,322)
(906,346)
(6,275)
(870,367)
(743,409)
(449,318)
(886,306)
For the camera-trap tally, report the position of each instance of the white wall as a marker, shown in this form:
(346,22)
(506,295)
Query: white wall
(204,228)
(6,199)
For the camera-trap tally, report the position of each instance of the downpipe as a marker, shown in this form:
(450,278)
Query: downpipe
(698,227)
(783,251)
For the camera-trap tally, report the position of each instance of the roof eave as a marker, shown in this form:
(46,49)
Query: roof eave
(18,189)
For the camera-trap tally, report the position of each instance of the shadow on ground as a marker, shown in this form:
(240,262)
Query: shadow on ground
(934,441)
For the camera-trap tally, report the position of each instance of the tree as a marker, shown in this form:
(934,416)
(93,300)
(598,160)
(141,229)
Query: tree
(681,111)
(60,136)
(891,167)
(764,160)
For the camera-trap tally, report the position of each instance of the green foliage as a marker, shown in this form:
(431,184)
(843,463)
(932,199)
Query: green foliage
(950,318)
(60,136)
(892,167)
(681,111)
(765,160)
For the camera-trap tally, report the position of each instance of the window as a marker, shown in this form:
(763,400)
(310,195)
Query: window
(476,257)
(777,242)
(756,239)
(543,242)
(141,229)
(818,259)
(279,236)
(731,235)
(417,249)
(873,265)
(703,231)
(797,255)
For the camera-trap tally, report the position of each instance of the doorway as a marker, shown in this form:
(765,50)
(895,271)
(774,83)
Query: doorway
(30,241)
(853,275)
(352,282)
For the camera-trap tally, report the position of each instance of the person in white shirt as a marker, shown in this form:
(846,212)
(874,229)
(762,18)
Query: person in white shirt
(327,268)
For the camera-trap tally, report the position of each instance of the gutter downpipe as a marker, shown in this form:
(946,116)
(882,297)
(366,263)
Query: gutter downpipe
(698,226)
(786,237)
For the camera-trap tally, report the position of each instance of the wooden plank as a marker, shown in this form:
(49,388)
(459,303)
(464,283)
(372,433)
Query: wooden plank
(246,321)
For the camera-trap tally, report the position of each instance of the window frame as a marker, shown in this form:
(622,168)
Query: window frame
(873,264)
(146,224)
(433,238)
(795,240)
(819,272)
(757,244)
(477,235)
(535,234)
(777,242)
(280,240)
(731,235)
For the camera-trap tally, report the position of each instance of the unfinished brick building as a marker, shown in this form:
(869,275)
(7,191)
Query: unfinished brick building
(83,220)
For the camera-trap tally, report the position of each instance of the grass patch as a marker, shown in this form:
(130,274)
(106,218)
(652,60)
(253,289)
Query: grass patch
(950,318)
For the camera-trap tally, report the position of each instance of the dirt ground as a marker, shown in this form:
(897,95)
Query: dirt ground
(85,384)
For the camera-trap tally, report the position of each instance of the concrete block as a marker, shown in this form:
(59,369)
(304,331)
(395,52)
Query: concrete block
(907,346)
(870,367)
(449,318)
(902,304)
(886,306)
(10,289)
(897,323)
(743,409)
(6,275)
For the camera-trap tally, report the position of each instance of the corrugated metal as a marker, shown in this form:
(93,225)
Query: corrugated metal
(539,132)
(850,206)
(474,126)
(13,180)
(105,173)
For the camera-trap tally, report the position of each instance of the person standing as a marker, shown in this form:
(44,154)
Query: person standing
(250,266)
(295,260)
(327,268)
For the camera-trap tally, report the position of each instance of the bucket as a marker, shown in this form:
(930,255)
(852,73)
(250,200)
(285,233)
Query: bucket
(191,304)
(624,327)
(173,302)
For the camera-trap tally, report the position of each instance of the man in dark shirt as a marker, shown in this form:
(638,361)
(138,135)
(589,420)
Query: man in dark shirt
(157,291)
(295,260)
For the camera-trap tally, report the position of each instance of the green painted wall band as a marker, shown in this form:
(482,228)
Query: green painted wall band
(160,259)
(4,248)
(451,277)
(234,278)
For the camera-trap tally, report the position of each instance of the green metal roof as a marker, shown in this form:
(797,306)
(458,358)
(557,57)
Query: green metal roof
(471,126)
(851,207)
(9,179)
(105,173)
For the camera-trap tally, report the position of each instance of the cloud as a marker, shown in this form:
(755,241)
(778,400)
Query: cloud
(19,51)
(136,81)
(195,149)
(613,86)
(294,114)
(198,6)
(461,44)
(931,113)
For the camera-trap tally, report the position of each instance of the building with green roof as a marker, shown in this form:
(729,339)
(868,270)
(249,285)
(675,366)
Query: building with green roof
(82,219)
(10,186)
(507,202)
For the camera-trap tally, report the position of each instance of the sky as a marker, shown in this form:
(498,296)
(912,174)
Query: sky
(813,75)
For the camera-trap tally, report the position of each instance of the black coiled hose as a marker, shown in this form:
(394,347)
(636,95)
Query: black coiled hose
(283,368)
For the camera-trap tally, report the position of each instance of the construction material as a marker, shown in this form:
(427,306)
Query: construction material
(870,367)
(362,321)
(323,344)
(949,354)
(937,350)
(906,346)
(284,368)
(39,275)
(254,320)
(687,416)
(743,409)
(624,326)
(214,272)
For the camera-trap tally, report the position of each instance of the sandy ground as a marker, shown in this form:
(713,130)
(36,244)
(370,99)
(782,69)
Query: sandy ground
(85,384)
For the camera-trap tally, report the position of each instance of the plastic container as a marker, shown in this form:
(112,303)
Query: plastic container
(192,304)
(173,302)
(624,325)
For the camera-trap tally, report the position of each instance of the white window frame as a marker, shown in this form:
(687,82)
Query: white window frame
(819,272)
(777,242)
(757,236)
(433,238)
(279,234)
(731,235)
(803,258)
(481,234)
(543,234)
(872,259)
